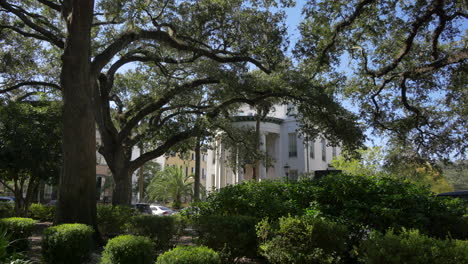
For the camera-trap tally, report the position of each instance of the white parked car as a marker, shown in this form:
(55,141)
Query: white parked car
(160,210)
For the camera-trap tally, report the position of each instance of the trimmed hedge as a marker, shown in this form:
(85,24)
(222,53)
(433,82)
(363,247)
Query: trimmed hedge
(411,247)
(232,237)
(112,219)
(189,255)
(42,212)
(67,243)
(129,249)
(303,240)
(19,230)
(161,229)
(7,210)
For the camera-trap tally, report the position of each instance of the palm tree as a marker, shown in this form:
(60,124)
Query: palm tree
(171,183)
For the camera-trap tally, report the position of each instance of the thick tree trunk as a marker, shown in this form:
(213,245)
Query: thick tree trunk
(196,186)
(122,194)
(77,187)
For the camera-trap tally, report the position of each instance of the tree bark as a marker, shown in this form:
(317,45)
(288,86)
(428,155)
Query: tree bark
(122,194)
(77,186)
(118,160)
(196,186)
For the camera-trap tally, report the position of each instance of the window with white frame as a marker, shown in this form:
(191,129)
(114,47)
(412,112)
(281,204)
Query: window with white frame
(312,149)
(292,140)
(334,151)
(324,150)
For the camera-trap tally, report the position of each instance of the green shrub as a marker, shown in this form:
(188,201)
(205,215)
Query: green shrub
(302,240)
(381,203)
(267,198)
(19,230)
(7,210)
(411,247)
(189,255)
(129,249)
(232,236)
(42,212)
(362,202)
(67,243)
(161,229)
(112,219)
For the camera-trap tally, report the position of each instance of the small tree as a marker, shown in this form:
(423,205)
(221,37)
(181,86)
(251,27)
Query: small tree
(30,148)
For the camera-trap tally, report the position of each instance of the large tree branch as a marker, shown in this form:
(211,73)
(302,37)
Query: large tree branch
(163,148)
(51,4)
(103,114)
(30,83)
(125,132)
(170,40)
(132,57)
(448,60)
(24,33)
(34,26)
(408,43)
(343,24)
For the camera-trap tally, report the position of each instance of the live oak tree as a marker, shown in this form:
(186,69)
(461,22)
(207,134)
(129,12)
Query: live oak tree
(155,71)
(403,63)
(88,44)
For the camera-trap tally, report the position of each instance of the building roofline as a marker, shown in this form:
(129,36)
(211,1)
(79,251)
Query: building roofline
(253,118)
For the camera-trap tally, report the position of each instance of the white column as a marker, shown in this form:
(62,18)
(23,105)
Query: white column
(263,171)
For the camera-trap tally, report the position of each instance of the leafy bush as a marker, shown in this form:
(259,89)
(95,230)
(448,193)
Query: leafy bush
(7,210)
(129,249)
(381,203)
(189,255)
(161,229)
(67,243)
(411,247)
(271,199)
(112,219)
(362,202)
(232,236)
(302,240)
(42,212)
(19,230)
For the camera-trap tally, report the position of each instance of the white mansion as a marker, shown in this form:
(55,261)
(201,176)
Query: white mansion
(292,155)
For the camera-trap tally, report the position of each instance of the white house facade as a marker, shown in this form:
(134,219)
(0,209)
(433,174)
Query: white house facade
(292,155)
